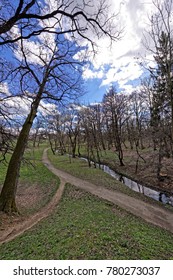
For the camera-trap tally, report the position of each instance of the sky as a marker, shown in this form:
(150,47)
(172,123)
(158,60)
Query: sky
(118,64)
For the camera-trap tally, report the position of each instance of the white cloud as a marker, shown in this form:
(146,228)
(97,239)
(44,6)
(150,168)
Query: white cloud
(16,106)
(47,109)
(89,74)
(19,107)
(129,44)
(122,74)
(4,90)
(121,62)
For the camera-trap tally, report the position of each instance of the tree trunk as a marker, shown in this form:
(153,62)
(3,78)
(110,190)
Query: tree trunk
(171,118)
(8,193)
(7,197)
(73,150)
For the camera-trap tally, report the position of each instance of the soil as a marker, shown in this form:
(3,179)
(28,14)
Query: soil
(156,215)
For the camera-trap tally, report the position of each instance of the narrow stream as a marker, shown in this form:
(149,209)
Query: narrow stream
(156,195)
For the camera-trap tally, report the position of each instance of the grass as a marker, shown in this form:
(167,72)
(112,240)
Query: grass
(85,227)
(34,173)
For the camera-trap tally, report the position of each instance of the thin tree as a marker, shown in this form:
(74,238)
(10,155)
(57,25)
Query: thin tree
(114,105)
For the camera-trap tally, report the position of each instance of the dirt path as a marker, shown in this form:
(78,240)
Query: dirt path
(19,228)
(151,213)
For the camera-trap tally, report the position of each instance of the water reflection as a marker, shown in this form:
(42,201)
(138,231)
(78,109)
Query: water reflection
(156,195)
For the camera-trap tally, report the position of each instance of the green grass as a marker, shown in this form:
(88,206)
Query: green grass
(3,169)
(33,172)
(85,227)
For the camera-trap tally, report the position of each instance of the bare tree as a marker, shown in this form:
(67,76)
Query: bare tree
(51,80)
(88,126)
(114,105)
(25,19)
(72,126)
(56,132)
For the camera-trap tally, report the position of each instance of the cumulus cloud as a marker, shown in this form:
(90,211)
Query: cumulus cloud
(89,74)
(122,75)
(19,107)
(121,58)
(47,109)
(124,57)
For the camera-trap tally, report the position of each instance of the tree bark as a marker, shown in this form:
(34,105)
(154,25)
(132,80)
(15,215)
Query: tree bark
(7,197)
(8,193)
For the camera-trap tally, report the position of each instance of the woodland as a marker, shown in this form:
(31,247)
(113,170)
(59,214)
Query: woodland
(135,130)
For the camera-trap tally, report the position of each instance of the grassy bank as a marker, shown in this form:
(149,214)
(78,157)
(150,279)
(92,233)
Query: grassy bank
(85,227)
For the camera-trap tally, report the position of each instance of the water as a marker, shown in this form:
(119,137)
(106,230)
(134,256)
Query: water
(156,195)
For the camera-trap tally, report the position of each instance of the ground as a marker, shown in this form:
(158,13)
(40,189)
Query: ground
(148,211)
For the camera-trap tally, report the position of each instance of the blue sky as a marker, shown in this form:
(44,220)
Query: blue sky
(118,65)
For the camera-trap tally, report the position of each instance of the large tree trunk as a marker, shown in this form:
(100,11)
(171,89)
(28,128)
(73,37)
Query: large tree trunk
(8,193)
(7,197)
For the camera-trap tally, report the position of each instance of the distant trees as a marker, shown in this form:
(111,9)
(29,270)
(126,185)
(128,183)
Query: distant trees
(161,109)
(72,127)
(6,142)
(56,132)
(91,128)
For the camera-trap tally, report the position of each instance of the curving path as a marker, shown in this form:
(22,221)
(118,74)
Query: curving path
(153,214)
(17,229)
